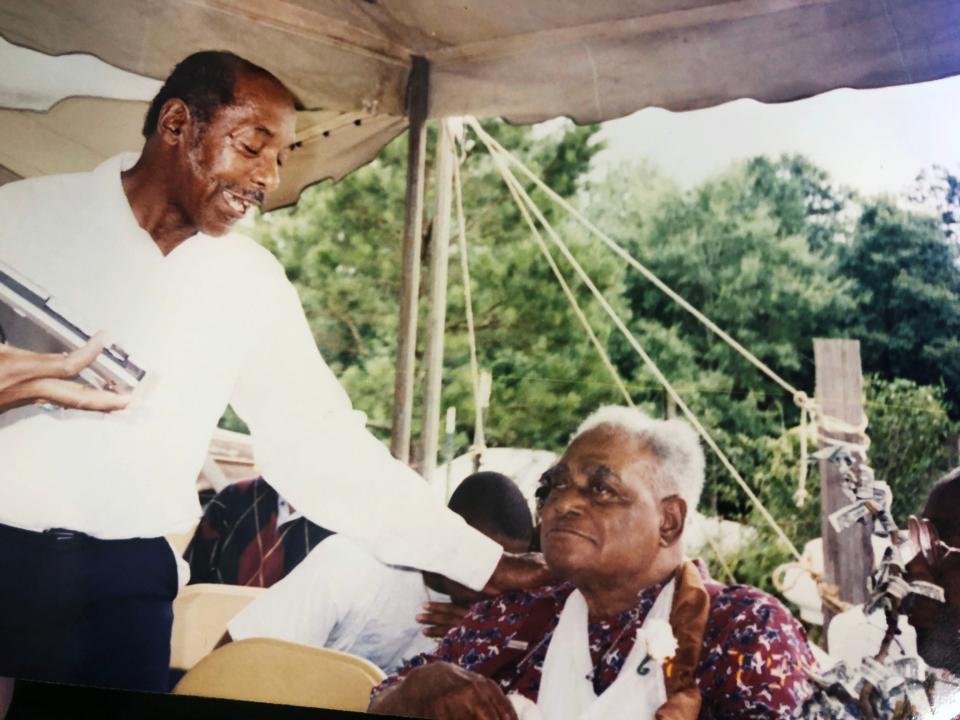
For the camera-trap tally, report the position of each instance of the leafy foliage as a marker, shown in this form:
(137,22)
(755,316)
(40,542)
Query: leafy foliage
(341,248)
(914,440)
(938,188)
(911,435)
(908,297)
(741,249)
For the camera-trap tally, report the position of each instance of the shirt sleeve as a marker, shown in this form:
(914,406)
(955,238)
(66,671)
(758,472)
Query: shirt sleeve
(755,668)
(306,605)
(313,447)
(14,199)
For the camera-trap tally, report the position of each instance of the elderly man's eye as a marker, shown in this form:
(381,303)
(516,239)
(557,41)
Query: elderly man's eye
(249,150)
(601,490)
(546,486)
(549,482)
(541,494)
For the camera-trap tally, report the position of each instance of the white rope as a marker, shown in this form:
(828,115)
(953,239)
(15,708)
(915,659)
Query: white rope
(527,206)
(581,316)
(810,409)
(801,495)
(633,262)
(479,439)
(718,554)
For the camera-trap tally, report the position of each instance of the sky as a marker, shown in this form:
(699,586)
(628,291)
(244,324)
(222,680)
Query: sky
(874,141)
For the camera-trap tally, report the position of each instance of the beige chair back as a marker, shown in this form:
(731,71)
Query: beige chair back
(200,616)
(275,671)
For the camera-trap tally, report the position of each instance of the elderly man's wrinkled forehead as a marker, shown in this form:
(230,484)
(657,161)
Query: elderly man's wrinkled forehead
(611,438)
(610,447)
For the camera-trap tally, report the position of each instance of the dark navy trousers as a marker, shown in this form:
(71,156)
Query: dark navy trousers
(75,609)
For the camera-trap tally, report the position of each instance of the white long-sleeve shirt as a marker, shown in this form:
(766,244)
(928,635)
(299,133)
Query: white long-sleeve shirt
(212,323)
(342,597)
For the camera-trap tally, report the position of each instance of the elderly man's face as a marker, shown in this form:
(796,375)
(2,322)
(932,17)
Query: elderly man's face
(232,161)
(601,516)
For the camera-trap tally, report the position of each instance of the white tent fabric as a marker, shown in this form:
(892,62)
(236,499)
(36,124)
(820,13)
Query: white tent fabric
(33,143)
(71,91)
(526,61)
(36,81)
(522,465)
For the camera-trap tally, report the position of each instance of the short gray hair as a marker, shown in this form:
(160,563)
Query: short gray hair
(676,446)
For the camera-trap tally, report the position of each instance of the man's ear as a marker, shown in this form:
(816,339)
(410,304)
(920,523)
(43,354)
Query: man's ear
(173,121)
(673,516)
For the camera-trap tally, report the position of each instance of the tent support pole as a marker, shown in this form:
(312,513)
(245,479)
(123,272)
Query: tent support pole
(439,261)
(418,93)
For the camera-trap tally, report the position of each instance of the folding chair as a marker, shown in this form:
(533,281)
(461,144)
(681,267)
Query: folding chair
(200,616)
(275,671)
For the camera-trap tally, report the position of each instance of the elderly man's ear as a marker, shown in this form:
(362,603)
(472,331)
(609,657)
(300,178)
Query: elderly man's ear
(673,515)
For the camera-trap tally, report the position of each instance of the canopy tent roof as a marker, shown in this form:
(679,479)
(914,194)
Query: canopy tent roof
(349,61)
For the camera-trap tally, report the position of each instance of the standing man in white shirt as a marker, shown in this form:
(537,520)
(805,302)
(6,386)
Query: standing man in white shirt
(135,248)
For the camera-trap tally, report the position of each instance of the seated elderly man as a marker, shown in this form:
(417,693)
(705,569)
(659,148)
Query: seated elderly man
(637,631)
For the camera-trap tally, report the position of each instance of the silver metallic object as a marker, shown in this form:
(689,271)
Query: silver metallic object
(28,321)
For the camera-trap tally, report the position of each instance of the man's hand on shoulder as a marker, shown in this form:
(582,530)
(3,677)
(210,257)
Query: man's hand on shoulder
(518,572)
(438,618)
(27,377)
(444,691)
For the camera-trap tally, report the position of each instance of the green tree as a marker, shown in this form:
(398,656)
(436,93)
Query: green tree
(937,189)
(546,374)
(908,297)
(746,249)
(913,439)
(912,444)
(803,198)
(340,246)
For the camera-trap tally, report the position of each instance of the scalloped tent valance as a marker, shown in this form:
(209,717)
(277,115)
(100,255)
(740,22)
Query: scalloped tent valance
(350,60)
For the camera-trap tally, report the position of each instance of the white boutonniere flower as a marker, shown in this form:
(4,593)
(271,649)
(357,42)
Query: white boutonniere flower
(657,640)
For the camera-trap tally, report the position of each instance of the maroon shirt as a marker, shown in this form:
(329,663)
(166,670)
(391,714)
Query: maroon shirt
(751,664)
(238,540)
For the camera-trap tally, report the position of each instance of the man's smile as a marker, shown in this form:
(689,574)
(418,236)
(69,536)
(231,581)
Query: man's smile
(240,203)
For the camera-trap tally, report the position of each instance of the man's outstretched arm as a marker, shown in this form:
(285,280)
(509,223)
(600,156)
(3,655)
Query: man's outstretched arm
(316,451)
(517,572)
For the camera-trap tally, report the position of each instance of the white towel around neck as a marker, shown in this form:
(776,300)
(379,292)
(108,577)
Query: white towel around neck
(566,692)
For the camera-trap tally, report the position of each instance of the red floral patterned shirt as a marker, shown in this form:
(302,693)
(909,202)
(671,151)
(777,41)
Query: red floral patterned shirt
(751,664)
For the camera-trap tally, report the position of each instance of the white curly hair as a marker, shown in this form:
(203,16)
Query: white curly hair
(674,443)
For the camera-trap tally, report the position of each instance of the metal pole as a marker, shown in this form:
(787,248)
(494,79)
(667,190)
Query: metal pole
(439,260)
(418,92)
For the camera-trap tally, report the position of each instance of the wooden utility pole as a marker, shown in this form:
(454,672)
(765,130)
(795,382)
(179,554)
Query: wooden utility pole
(417,97)
(847,556)
(436,322)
